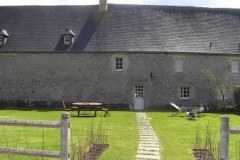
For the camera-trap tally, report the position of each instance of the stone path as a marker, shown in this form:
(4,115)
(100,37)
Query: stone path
(148,147)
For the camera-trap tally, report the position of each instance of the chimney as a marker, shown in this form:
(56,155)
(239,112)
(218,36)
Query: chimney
(102,6)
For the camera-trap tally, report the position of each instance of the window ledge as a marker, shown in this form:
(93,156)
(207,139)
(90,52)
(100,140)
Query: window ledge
(185,98)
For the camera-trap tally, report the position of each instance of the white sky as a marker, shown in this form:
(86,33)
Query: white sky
(198,3)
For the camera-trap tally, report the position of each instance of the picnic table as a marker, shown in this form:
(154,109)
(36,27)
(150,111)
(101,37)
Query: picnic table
(87,106)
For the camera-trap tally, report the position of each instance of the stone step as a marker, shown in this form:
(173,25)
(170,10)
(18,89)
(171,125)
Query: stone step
(144,124)
(147,132)
(147,135)
(145,128)
(144,135)
(149,145)
(148,148)
(156,153)
(150,136)
(148,157)
(148,139)
(144,143)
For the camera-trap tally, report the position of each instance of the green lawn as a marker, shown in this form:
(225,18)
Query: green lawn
(176,134)
(121,128)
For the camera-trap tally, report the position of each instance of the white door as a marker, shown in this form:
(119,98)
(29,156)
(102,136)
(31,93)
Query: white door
(138,97)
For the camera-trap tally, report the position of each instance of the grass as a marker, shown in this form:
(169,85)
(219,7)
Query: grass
(121,128)
(176,134)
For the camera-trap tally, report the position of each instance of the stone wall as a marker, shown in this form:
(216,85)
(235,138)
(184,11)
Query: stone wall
(48,77)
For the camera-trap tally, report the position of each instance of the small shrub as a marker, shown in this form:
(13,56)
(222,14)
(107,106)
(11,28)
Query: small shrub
(205,146)
(92,145)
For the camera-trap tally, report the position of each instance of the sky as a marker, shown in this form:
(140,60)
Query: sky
(196,3)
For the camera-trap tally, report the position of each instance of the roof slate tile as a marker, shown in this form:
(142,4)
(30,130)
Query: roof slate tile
(121,28)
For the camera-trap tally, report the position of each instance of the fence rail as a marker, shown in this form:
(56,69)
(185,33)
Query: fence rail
(31,152)
(64,124)
(224,139)
(234,130)
(44,124)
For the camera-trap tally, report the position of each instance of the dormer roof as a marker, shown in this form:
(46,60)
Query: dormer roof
(3,32)
(69,32)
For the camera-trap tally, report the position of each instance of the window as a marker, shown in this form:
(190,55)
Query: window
(1,40)
(119,64)
(139,91)
(179,65)
(185,93)
(67,39)
(234,66)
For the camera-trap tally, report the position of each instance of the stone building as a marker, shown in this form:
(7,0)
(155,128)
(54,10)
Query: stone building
(113,53)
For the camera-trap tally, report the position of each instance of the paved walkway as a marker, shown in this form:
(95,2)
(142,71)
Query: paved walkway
(148,147)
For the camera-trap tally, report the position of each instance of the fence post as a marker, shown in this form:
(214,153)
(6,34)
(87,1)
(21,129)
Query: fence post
(65,136)
(224,139)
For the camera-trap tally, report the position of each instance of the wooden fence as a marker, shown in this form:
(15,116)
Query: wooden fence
(64,124)
(224,139)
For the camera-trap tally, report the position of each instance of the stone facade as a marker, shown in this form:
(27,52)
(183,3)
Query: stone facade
(71,77)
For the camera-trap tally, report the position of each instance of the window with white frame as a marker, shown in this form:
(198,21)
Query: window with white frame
(185,92)
(178,65)
(234,66)
(119,64)
(139,92)
(67,39)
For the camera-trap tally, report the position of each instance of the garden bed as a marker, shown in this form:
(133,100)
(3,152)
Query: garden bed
(203,154)
(95,151)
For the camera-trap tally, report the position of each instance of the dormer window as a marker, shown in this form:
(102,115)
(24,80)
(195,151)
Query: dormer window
(1,40)
(3,37)
(68,37)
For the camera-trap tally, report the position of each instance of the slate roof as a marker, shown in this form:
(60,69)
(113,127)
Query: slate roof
(121,28)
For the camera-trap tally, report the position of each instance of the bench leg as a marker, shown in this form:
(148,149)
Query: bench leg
(106,113)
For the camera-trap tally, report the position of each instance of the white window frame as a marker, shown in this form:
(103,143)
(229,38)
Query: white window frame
(119,63)
(185,92)
(139,91)
(178,65)
(234,66)
(67,39)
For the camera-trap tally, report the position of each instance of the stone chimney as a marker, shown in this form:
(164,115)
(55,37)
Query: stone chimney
(102,6)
